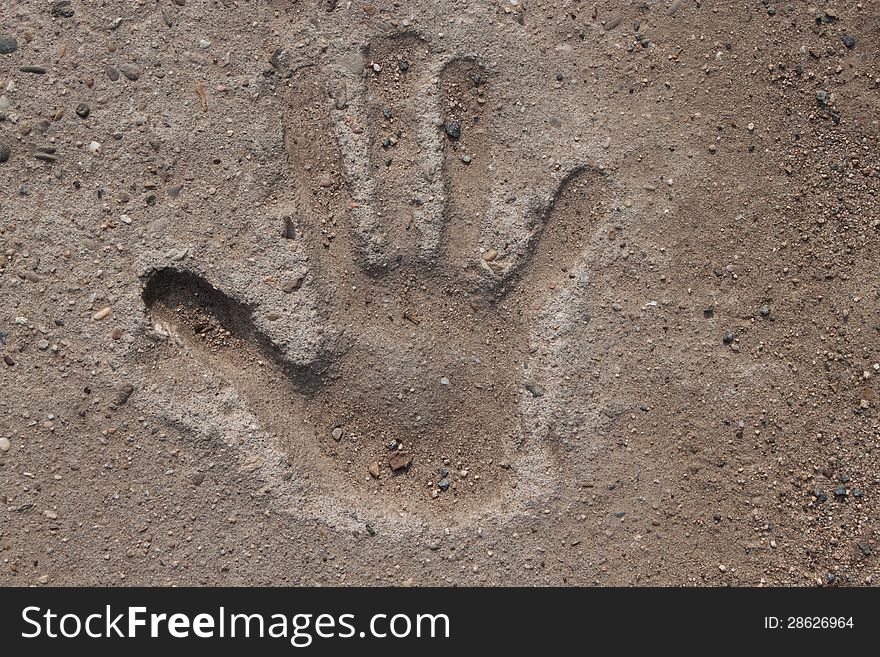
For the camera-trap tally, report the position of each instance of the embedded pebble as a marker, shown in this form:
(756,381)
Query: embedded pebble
(399,461)
(82,110)
(112,73)
(8,44)
(130,71)
(123,392)
(292,285)
(5,444)
(5,152)
(614,22)
(62,9)
(337,434)
(101,314)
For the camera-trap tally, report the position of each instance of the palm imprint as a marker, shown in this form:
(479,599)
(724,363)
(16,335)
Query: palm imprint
(401,200)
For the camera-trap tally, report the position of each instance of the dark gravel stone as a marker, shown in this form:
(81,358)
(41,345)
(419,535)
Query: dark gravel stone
(5,152)
(534,388)
(82,110)
(840,491)
(820,496)
(403,66)
(849,41)
(112,73)
(38,70)
(280,61)
(728,337)
(62,9)
(822,97)
(453,129)
(123,393)
(765,310)
(864,548)
(130,71)
(619,514)
(443,485)
(443,472)
(8,44)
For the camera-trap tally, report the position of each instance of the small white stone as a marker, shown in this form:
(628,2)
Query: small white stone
(5,444)
(444,381)
(204,44)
